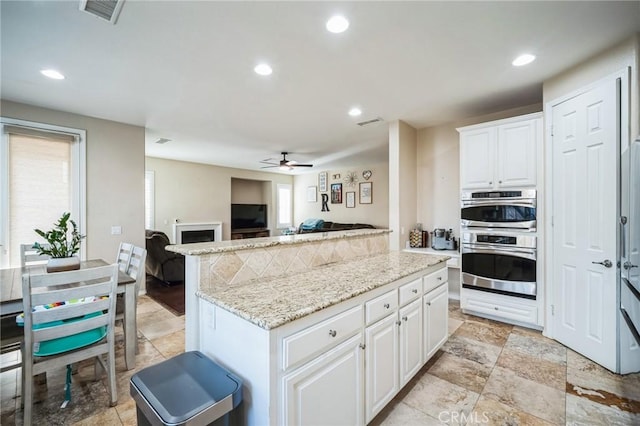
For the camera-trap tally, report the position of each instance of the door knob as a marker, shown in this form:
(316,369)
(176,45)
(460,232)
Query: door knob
(606,263)
(627,265)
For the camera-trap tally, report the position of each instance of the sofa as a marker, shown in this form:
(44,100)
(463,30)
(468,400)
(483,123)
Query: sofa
(318,225)
(165,265)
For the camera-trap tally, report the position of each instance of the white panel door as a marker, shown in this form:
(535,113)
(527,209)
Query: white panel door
(410,340)
(477,158)
(382,380)
(584,223)
(517,154)
(328,390)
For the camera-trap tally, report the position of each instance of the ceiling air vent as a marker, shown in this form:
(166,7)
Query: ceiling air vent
(366,123)
(105,9)
(163,141)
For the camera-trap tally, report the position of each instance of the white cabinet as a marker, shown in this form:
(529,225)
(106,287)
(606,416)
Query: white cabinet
(515,310)
(500,154)
(436,320)
(382,351)
(327,390)
(410,340)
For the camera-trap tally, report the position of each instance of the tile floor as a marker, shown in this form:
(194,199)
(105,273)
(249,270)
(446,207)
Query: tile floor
(487,373)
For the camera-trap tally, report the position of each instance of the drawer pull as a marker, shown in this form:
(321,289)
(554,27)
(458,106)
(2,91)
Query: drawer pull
(414,291)
(439,278)
(405,318)
(495,307)
(332,333)
(386,306)
(362,346)
(428,303)
(399,322)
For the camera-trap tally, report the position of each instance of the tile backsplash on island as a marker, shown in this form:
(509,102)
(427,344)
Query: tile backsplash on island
(238,267)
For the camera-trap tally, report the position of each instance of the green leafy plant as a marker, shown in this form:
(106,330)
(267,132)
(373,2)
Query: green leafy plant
(62,241)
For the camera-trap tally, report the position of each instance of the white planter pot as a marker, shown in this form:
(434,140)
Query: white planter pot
(63,264)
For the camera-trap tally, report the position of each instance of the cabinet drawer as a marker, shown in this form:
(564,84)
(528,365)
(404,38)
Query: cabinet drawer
(433,280)
(321,337)
(521,310)
(410,291)
(381,306)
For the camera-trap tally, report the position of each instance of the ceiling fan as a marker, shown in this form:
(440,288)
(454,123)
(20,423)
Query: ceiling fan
(283,164)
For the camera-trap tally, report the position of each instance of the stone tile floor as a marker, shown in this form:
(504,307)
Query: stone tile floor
(487,373)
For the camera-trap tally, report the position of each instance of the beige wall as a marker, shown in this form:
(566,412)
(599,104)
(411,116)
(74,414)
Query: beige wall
(245,191)
(115,176)
(192,192)
(438,172)
(402,182)
(619,57)
(375,214)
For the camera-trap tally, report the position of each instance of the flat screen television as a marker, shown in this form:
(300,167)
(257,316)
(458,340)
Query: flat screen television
(248,216)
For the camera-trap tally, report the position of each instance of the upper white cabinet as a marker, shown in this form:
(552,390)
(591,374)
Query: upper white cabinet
(500,154)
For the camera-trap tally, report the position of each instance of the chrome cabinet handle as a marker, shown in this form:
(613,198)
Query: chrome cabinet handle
(386,306)
(439,278)
(362,346)
(415,291)
(606,263)
(405,318)
(399,322)
(332,333)
(428,303)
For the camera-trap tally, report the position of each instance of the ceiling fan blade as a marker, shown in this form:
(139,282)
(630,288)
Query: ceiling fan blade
(301,165)
(269,167)
(269,162)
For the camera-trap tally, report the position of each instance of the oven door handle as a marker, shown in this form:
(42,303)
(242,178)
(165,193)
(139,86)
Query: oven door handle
(517,252)
(495,202)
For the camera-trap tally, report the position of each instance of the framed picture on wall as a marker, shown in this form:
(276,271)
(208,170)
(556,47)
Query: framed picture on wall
(312,194)
(336,193)
(350,199)
(322,181)
(366,195)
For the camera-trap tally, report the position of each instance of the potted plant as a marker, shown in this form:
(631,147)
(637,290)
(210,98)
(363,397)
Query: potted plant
(62,245)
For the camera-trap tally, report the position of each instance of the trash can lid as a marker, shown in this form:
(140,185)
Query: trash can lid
(185,385)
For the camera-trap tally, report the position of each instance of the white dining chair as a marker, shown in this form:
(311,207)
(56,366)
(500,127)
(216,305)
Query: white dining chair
(74,331)
(136,271)
(124,256)
(29,256)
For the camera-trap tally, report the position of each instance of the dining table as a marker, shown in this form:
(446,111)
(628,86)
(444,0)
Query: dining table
(11,299)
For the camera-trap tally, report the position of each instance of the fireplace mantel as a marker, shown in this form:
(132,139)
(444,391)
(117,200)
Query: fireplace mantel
(199,226)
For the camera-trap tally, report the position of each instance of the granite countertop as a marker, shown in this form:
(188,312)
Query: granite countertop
(199,249)
(277,301)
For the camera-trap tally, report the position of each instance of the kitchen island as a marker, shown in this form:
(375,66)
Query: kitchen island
(296,318)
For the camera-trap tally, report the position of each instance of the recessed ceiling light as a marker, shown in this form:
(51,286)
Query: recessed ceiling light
(56,75)
(337,24)
(263,69)
(354,112)
(523,60)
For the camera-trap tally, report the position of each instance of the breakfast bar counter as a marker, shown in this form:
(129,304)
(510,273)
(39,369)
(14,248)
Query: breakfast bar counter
(297,316)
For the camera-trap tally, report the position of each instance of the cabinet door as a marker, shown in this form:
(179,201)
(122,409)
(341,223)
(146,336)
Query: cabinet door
(436,320)
(327,390)
(381,364)
(516,152)
(477,158)
(410,340)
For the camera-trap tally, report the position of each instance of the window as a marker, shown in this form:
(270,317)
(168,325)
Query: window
(42,177)
(284,206)
(149,199)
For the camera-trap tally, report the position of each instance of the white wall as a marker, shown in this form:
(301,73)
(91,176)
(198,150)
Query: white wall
(192,192)
(621,56)
(115,176)
(375,214)
(402,183)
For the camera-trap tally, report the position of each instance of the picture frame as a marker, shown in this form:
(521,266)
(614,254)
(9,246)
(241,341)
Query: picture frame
(366,193)
(312,194)
(350,199)
(322,181)
(336,193)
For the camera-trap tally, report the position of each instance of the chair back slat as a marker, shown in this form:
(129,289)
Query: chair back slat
(68,277)
(124,256)
(79,291)
(69,328)
(29,256)
(136,264)
(73,310)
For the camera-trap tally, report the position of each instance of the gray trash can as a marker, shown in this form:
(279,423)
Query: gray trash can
(188,388)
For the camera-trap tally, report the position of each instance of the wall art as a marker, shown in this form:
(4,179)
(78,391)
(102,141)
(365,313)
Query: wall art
(322,181)
(312,194)
(366,195)
(336,193)
(350,199)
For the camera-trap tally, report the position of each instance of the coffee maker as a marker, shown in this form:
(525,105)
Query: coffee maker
(443,240)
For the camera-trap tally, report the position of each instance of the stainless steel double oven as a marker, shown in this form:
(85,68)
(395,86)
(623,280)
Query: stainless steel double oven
(499,248)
